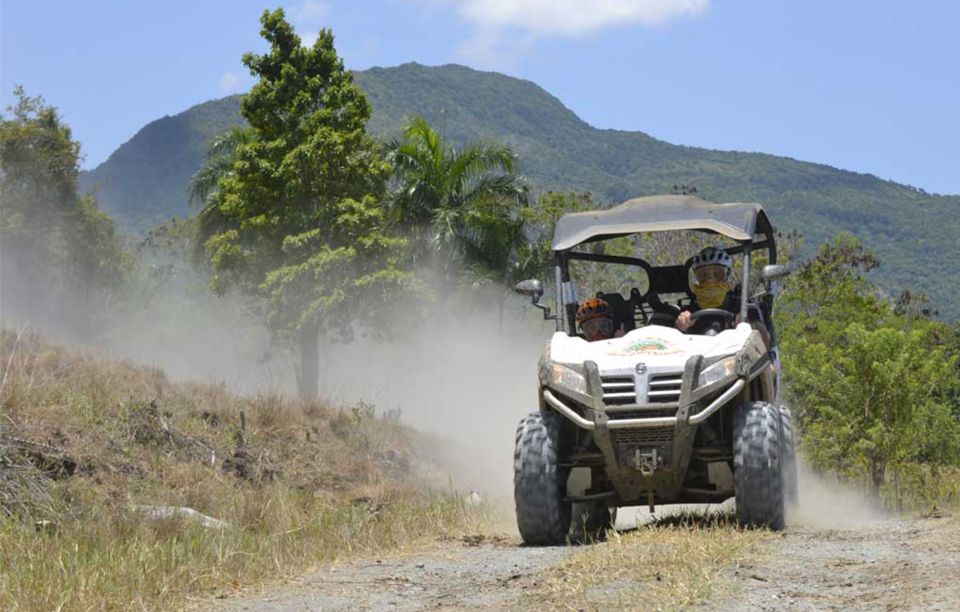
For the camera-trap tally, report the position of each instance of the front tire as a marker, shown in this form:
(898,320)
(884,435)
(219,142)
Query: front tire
(758,466)
(788,454)
(539,484)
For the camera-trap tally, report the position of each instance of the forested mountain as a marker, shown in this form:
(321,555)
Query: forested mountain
(144,181)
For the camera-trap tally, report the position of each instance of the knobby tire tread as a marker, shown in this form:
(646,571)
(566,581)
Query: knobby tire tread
(757,466)
(539,485)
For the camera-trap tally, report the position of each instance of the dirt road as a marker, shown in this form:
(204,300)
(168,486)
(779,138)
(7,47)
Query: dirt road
(886,564)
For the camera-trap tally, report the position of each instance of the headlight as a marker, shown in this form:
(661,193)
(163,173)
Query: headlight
(564,376)
(725,368)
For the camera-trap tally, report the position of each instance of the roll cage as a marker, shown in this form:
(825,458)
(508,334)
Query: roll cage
(747,223)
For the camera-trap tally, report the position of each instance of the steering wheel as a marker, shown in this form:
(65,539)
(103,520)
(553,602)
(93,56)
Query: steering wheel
(726,315)
(710,319)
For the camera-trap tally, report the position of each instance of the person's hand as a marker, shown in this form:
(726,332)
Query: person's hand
(684,321)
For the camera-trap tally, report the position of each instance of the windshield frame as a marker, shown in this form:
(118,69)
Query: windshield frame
(567,302)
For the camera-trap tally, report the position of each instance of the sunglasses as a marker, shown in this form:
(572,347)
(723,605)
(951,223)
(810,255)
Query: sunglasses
(595,327)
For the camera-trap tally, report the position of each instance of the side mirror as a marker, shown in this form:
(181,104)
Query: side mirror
(774,273)
(771,275)
(531,288)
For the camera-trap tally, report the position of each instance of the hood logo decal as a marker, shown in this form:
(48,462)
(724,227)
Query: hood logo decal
(647,346)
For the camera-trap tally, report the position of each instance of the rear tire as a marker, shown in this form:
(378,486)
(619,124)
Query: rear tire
(539,484)
(788,454)
(591,521)
(757,466)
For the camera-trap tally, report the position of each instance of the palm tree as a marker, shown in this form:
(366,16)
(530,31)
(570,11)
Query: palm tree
(461,207)
(205,182)
(220,156)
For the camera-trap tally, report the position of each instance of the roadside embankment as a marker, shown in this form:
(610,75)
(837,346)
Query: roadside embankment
(120,489)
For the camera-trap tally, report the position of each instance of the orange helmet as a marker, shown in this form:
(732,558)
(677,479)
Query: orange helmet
(591,309)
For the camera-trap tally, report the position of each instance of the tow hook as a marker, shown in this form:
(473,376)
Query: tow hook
(647,463)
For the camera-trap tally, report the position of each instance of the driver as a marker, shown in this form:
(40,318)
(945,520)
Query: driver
(712,267)
(595,320)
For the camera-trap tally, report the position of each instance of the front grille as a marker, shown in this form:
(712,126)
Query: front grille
(643,413)
(618,390)
(642,436)
(664,388)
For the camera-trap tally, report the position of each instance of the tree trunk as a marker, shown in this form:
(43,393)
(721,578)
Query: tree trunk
(896,481)
(876,476)
(308,382)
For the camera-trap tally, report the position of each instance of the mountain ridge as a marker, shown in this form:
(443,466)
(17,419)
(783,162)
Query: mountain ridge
(144,181)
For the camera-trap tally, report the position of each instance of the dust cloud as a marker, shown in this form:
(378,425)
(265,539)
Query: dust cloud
(827,503)
(178,326)
(467,377)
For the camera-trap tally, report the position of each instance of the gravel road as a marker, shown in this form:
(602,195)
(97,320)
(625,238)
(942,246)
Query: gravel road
(880,564)
(887,565)
(477,573)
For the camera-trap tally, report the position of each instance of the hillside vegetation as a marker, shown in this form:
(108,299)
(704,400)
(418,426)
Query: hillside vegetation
(98,456)
(145,181)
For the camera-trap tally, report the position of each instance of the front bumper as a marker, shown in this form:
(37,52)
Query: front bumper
(645,422)
(646,447)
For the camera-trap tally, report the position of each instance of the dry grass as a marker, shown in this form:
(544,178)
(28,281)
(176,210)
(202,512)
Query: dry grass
(299,483)
(671,564)
(922,488)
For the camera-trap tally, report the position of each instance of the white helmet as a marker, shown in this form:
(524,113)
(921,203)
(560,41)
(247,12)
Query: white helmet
(712,256)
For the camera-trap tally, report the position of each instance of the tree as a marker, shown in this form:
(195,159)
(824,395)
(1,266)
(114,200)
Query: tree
(204,184)
(59,252)
(873,386)
(462,208)
(297,221)
(220,158)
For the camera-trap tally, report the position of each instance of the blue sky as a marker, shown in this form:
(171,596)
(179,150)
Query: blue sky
(871,86)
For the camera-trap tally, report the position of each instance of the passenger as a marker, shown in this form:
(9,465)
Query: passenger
(595,320)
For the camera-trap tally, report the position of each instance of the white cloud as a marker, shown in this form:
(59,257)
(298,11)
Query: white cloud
(307,19)
(504,30)
(570,18)
(492,49)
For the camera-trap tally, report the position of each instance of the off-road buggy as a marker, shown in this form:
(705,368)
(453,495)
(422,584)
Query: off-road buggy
(656,416)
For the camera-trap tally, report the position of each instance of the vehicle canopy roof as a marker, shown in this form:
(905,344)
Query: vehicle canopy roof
(737,220)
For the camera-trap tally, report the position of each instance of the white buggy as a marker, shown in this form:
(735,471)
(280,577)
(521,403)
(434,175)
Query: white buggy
(656,416)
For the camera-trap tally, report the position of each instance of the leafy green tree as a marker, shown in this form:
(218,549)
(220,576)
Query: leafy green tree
(462,208)
(872,387)
(535,259)
(56,247)
(298,222)
(536,255)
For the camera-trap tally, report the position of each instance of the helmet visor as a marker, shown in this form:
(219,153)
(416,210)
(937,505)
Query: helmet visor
(711,273)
